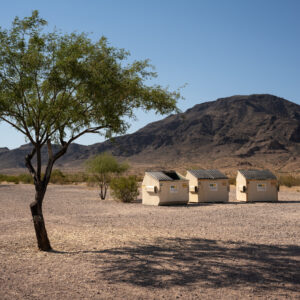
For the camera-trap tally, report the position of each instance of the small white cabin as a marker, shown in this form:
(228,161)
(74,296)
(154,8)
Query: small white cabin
(256,185)
(164,188)
(207,186)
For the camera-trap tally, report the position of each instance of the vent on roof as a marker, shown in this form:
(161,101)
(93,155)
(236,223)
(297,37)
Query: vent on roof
(173,175)
(165,175)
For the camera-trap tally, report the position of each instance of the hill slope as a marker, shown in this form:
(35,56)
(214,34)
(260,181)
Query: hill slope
(239,127)
(256,130)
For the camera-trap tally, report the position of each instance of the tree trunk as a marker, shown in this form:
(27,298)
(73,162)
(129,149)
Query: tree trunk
(103,191)
(40,189)
(39,223)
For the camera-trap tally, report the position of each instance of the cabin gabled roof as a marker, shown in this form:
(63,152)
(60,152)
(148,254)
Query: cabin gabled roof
(165,175)
(208,174)
(258,174)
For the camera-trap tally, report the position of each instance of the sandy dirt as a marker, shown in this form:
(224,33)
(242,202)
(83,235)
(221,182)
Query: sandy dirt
(110,250)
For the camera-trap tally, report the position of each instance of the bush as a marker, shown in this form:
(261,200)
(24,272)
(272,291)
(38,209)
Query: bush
(103,167)
(125,189)
(76,177)
(9,178)
(57,176)
(289,180)
(25,178)
(232,181)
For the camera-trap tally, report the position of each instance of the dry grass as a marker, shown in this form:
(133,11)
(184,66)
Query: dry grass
(111,250)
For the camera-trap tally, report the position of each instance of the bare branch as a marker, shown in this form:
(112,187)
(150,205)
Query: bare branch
(50,152)
(38,161)
(29,166)
(12,124)
(88,130)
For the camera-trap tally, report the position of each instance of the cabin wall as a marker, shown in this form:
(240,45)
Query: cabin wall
(173,192)
(262,190)
(240,182)
(150,198)
(169,192)
(193,181)
(216,190)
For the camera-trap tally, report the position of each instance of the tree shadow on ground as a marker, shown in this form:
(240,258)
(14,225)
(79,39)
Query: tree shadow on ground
(206,263)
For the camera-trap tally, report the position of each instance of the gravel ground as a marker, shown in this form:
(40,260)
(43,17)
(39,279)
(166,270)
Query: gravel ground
(110,250)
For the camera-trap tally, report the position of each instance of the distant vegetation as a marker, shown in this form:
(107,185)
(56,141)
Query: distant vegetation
(21,178)
(58,177)
(289,180)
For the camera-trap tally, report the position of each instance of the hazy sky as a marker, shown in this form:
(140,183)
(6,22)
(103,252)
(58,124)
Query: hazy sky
(218,48)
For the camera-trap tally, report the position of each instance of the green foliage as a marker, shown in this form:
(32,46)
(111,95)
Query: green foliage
(103,166)
(53,83)
(55,87)
(289,180)
(57,176)
(77,177)
(125,189)
(23,178)
(105,163)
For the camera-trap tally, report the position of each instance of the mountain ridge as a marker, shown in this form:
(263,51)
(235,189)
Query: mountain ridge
(239,128)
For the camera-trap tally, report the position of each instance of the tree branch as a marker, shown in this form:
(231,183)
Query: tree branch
(29,166)
(38,124)
(13,125)
(38,161)
(50,152)
(88,130)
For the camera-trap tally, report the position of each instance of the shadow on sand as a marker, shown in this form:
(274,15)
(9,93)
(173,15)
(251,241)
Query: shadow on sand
(207,263)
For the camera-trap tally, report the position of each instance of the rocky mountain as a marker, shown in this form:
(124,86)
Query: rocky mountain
(2,150)
(256,130)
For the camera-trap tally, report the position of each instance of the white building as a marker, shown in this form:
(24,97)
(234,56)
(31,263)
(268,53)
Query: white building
(207,186)
(164,188)
(256,185)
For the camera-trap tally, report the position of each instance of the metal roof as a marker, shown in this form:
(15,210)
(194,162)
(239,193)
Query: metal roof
(165,175)
(208,174)
(258,174)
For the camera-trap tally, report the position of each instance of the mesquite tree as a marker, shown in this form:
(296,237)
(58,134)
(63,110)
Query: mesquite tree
(103,167)
(55,87)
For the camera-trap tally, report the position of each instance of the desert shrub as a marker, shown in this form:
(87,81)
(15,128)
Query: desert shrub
(25,178)
(102,167)
(232,181)
(139,178)
(58,176)
(76,177)
(124,189)
(15,180)
(92,181)
(2,177)
(289,180)
(9,178)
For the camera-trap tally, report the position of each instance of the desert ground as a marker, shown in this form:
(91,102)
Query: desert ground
(110,250)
